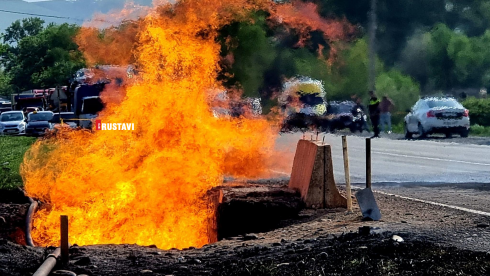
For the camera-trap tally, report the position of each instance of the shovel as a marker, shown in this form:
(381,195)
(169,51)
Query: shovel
(365,197)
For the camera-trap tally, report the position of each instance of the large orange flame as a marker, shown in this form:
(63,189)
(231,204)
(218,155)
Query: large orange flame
(148,186)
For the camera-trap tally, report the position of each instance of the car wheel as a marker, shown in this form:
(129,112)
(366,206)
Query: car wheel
(422,133)
(408,134)
(465,133)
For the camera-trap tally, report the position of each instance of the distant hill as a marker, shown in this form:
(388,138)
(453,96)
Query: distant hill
(76,10)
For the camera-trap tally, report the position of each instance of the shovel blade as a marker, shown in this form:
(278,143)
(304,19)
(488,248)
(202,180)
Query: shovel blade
(367,203)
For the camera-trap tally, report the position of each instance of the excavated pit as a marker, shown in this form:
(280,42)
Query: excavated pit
(253,208)
(13,210)
(240,208)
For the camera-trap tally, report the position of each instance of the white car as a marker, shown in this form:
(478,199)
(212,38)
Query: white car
(12,122)
(437,115)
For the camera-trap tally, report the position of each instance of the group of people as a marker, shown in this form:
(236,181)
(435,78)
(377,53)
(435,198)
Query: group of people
(379,112)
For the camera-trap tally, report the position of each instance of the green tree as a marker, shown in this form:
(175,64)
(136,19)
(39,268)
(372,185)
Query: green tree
(20,29)
(40,58)
(349,76)
(261,57)
(401,88)
(414,58)
(440,63)
(6,88)
(253,55)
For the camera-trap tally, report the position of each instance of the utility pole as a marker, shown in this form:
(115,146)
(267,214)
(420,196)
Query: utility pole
(372,47)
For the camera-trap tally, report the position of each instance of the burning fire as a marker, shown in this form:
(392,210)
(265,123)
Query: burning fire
(148,186)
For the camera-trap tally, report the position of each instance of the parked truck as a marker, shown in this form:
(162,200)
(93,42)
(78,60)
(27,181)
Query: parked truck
(28,99)
(87,103)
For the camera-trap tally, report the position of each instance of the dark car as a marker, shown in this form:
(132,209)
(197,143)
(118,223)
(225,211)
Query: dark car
(341,115)
(5,106)
(38,123)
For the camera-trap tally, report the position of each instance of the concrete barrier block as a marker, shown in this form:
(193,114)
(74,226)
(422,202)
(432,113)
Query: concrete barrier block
(312,175)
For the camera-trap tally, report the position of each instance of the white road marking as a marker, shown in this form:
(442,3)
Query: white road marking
(434,203)
(431,158)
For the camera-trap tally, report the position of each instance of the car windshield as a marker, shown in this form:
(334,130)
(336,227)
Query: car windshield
(40,116)
(8,117)
(443,103)
(65,117)
(311,99)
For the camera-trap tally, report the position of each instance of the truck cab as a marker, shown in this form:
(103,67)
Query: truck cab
(91,106)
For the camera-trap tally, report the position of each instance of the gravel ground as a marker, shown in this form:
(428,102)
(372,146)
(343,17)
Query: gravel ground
(437,241)
(475,196)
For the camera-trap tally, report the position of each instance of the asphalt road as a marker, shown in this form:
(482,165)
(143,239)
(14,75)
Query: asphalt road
(403,161)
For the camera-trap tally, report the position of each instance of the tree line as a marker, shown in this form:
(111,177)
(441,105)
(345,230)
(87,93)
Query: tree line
(423,47)
(33,55)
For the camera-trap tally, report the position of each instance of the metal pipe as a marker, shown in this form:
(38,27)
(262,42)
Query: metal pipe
(64,245)
(347,174)
(30,214)
(51,260)
(368,163)
(48,264)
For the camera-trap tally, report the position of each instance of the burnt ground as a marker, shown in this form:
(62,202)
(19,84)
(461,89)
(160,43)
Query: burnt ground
(437,241)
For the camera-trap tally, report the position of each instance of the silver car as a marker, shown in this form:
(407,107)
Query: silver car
(12,122)
(437,115)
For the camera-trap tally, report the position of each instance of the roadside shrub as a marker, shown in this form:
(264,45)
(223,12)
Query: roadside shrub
(398,128)
(479,130)
(479,110)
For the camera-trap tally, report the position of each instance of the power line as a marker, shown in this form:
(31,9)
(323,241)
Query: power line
(53,16)
(42,15)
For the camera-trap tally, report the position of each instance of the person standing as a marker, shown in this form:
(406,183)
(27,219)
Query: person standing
(359,105)
(374,113)
(385,107)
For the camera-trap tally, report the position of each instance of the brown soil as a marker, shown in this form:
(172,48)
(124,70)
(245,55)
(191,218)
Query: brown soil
(13,210)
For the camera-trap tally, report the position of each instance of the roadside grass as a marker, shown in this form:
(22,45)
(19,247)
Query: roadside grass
(12,149)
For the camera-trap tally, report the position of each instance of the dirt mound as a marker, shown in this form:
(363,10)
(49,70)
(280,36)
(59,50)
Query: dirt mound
(18,259)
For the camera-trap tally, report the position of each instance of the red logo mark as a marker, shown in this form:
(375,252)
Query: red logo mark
(98,125)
